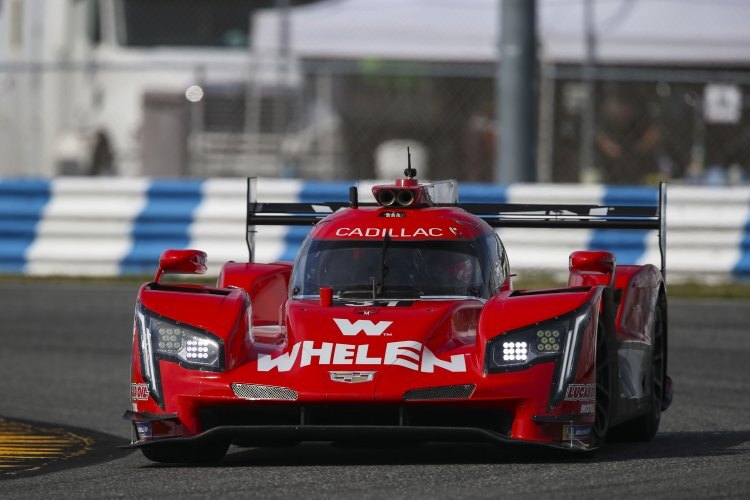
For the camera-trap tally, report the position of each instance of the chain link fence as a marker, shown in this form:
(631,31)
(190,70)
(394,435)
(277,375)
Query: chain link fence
(651,124)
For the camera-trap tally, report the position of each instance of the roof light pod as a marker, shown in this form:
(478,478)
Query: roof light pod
(409,193)
(409,196)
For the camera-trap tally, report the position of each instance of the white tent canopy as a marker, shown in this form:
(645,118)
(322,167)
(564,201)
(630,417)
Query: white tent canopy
(684,32)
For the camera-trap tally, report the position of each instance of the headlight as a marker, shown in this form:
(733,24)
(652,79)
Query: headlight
(186,344)
(549,340)
(189,346)
(163,338)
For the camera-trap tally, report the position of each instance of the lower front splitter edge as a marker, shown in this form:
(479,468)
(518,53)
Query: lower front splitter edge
(270,433)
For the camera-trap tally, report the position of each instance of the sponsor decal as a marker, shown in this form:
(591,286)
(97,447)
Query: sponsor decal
(408,354)
(362,325)
(352,377)
(571,432)
(581,392)
(143,429)
(139,392)
(587,408)
(381,232)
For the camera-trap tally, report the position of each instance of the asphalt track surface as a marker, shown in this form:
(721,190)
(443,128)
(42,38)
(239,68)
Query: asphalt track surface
(64,361)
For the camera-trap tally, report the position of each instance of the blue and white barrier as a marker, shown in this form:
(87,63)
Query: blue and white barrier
(114,227)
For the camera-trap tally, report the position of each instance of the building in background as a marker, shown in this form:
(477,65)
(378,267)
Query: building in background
(140,87)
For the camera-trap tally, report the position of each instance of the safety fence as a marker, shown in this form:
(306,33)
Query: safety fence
(117,227)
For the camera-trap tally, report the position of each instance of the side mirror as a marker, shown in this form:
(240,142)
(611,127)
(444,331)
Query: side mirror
(181,262)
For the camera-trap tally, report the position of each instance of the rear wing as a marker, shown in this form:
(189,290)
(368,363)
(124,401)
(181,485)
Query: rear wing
(497,215)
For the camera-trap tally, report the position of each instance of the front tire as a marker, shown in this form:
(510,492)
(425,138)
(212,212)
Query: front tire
(605,384)
(606,369)
(645,427)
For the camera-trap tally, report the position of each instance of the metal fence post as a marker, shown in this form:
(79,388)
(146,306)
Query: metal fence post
(515,94)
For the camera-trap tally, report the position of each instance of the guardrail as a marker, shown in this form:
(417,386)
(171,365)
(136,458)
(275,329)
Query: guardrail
(114,226)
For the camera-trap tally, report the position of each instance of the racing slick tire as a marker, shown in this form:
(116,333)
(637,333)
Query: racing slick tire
(606,369)
(186,454)
(644,428)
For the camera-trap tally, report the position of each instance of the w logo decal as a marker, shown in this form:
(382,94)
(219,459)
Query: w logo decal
(362,325)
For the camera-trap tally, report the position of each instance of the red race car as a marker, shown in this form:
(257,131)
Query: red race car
(399,322)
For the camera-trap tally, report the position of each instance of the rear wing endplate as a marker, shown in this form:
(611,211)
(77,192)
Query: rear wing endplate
(499,215)
(283,213)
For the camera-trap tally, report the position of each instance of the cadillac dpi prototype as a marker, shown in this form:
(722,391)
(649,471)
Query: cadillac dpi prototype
(398,322)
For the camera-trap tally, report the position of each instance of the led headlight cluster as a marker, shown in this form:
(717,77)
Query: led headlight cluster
(545,341)
(197,349)
(170,339)
(183,343)
(163,338)
(515,351)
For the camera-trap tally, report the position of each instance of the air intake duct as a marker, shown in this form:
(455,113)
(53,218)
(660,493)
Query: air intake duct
(441,392)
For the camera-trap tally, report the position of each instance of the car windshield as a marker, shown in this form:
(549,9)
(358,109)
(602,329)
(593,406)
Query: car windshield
(362,269)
